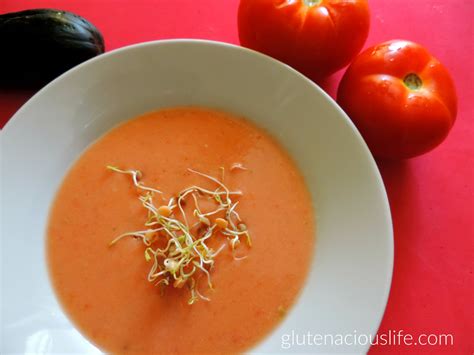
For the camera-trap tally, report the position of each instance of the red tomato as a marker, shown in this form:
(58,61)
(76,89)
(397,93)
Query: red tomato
(400,97)
(316,37)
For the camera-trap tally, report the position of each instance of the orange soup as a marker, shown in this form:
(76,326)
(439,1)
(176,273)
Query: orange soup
(106,289)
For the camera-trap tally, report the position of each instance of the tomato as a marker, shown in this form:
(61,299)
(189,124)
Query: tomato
(316,37)
(401,98)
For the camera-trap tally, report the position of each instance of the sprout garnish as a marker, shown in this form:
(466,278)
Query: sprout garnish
(179,252)
(237,166)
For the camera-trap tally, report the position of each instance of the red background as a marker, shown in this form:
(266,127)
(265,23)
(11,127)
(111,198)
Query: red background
(431,196)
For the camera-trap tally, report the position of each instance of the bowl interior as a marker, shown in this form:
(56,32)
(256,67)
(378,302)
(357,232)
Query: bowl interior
(348,285)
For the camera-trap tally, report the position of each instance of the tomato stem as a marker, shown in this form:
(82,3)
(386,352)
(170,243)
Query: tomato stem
(312,3)
(413,81)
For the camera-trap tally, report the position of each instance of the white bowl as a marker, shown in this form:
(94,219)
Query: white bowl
(348,285)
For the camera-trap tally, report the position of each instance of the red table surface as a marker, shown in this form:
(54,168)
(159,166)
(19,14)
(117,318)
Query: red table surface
(431,196)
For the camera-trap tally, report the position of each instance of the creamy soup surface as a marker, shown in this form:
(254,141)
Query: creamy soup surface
(104,289)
